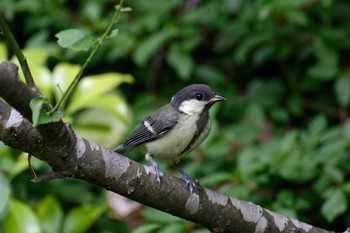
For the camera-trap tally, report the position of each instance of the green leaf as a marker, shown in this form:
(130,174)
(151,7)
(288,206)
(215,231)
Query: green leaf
(346,187)
(346,129)
(91,88)
(327,65)
(297,17)
(4,194)
(74,39)
(174,228)
(215,179)
(36,58)
(255,116)
(317,125)
(3,53)
(151,45)
(40,116)
(248,161)
(21,219)
(342,89)
(114,33)
(50,214)
(288,141)
(46,118)
(181,62)
(201,231)
(19,165)
(35,105)
(104,130)
(157,216)
(81,218)
(148,228)
(334,174)
(335,205)
(126,9)
(62,76)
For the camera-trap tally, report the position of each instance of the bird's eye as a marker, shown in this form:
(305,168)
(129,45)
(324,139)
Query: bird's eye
(199,96)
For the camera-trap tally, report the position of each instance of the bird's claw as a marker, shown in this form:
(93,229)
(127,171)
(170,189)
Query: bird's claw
(189,182)
(155,168)
(157,172)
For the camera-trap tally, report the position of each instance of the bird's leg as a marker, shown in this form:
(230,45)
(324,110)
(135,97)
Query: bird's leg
(189,182)
(155,167)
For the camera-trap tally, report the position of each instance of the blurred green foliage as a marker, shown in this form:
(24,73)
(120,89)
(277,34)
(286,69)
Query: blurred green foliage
(281,140)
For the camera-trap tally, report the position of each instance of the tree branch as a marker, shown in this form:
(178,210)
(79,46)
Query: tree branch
(91,162)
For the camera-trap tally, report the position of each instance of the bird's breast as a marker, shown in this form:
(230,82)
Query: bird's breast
(172,145)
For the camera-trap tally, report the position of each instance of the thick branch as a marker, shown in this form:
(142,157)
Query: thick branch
(117,173)
(17,94)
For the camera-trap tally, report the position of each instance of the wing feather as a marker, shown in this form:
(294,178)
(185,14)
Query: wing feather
(159,126)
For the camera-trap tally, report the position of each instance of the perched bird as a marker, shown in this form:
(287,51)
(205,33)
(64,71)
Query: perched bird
(175,129)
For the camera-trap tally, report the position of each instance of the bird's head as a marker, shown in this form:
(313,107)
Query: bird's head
(195,99)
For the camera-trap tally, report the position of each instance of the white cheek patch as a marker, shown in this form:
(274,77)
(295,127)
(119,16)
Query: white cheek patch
(148,126)
(192,107)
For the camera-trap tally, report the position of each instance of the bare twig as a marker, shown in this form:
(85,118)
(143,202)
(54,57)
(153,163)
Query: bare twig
(49,176)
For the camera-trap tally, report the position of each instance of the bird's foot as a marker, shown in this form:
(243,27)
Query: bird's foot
(189,182)
(155,168)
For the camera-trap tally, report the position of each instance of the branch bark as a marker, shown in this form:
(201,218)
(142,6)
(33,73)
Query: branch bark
(72,156)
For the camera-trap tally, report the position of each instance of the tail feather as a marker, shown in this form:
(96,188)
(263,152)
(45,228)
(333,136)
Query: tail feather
(119,149)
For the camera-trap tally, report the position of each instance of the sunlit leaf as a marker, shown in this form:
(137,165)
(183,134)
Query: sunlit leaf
(21,219)
(106,130)
(36,59)
(3,53)
(50,214)
(62,76)
(80,219)
(114,33)
(74,39)
(20,165)
(91,88)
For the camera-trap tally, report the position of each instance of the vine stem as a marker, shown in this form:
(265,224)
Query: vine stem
(96,46)
(12,43)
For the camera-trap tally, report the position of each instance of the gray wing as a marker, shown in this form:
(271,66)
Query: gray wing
(150,128)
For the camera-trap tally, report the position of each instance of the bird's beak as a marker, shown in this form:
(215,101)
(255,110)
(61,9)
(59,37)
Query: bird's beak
(216,98)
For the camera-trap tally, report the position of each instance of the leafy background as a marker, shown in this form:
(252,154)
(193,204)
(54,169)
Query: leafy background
(281,140)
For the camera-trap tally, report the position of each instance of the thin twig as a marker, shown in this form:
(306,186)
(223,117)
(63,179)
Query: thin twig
(31,167)
(96,46)
(49,176)
(12,43)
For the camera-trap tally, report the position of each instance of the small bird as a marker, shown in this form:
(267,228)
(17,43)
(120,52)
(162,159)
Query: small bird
(175,129)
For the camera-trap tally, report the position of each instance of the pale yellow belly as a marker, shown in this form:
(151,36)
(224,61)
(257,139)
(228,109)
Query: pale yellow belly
(170,146)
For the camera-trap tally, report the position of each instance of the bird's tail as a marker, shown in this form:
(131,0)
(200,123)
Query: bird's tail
(119,149)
